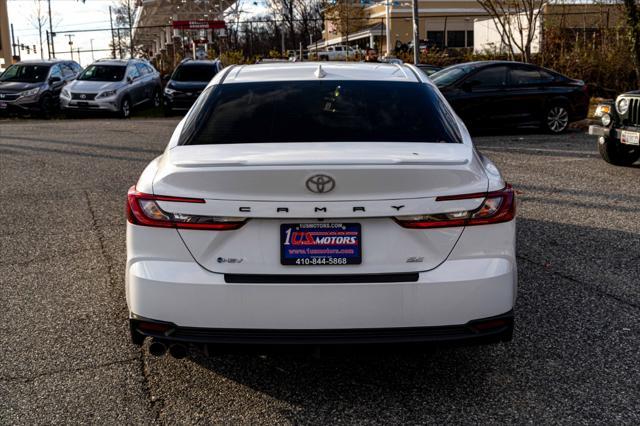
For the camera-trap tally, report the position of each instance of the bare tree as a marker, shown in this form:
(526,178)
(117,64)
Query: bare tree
(124,12)
(517,22)
(632,13)
(39,21)
(347,16)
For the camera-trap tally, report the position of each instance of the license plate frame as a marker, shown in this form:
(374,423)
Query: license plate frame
(4,105)
(320,244)
(630,138)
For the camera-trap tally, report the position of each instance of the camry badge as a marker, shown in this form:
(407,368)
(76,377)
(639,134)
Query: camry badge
(320,184)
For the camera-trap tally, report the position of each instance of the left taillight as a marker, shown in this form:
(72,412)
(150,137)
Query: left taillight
(498,206)
(143,209)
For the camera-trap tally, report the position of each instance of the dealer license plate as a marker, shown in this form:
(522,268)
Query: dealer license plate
(321,244)
(630,138)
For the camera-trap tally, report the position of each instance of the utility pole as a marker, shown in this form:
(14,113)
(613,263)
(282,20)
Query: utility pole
(53,49)
(48,45)
(113,37)
(416,32)
(70,45)
(387,26)
(92,57)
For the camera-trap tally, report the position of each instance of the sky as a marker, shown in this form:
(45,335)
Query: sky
(67,15)
(71,15)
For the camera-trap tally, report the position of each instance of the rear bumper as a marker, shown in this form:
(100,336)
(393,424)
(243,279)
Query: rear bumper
(186,295)
(487,330)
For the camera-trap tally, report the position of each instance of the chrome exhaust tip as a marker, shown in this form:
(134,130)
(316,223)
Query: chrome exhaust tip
(178,351)
(157,348)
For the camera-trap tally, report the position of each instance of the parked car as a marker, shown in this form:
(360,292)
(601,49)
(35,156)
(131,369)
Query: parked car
(619,134)
(336,53)
(113,85)
(35,85)
(358,221)
(428,69)
(499,94)
(187,82)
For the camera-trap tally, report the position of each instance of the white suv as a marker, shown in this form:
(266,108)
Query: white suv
(320,203)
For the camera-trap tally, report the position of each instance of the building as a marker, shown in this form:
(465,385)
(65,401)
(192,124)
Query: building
(5,37)
(387,24)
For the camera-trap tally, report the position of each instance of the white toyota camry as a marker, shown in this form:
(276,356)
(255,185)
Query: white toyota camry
(320,203)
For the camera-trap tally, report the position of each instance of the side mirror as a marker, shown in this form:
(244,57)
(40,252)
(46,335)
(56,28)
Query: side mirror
(54,79)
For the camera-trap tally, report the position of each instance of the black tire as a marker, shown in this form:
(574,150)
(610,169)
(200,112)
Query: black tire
(46,106)
(168,112)
(125,108)
(613,152)
(156,100)
(556,118)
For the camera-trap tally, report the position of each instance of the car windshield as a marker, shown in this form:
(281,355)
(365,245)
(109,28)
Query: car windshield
(449,75)
(26,73)
(319,111)
(200,72)
(103,73)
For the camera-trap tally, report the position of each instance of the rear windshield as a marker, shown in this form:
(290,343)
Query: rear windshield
(201,72)
(319,111)
(103,73)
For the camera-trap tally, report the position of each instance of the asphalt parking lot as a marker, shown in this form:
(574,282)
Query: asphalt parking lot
(66,357)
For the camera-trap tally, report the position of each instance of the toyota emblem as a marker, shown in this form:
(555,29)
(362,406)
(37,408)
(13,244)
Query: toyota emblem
(320,184)
(83,96)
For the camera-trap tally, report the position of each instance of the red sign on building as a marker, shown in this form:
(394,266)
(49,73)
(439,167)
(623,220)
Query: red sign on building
(199,24)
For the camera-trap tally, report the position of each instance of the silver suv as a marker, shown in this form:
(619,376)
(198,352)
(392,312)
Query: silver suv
(116,85)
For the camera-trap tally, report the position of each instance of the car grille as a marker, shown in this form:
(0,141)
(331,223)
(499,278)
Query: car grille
(83,96)
(633,116)
(8,96)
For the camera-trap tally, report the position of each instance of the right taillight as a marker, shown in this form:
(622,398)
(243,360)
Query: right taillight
(143,209)
(498,206)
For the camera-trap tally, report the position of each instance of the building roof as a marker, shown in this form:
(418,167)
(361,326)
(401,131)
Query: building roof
(297,71)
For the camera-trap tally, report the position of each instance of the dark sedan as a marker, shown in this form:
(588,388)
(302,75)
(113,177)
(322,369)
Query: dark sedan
(187,82)
(499,94)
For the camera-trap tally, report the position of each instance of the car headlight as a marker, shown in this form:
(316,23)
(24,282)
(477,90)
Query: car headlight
(65,93)
(106,94)
(169,91)
(606,120)
(602,109)
(31,92)
(622,106)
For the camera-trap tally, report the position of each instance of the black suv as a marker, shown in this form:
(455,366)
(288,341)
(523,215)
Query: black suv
(187,82)
(35,85)
(619,134)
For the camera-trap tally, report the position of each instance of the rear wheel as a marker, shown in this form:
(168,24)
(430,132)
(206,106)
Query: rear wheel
(613,152)
(556,119)
(125,108)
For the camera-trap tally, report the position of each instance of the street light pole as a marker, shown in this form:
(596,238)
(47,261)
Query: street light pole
(416,32)
(92,58)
